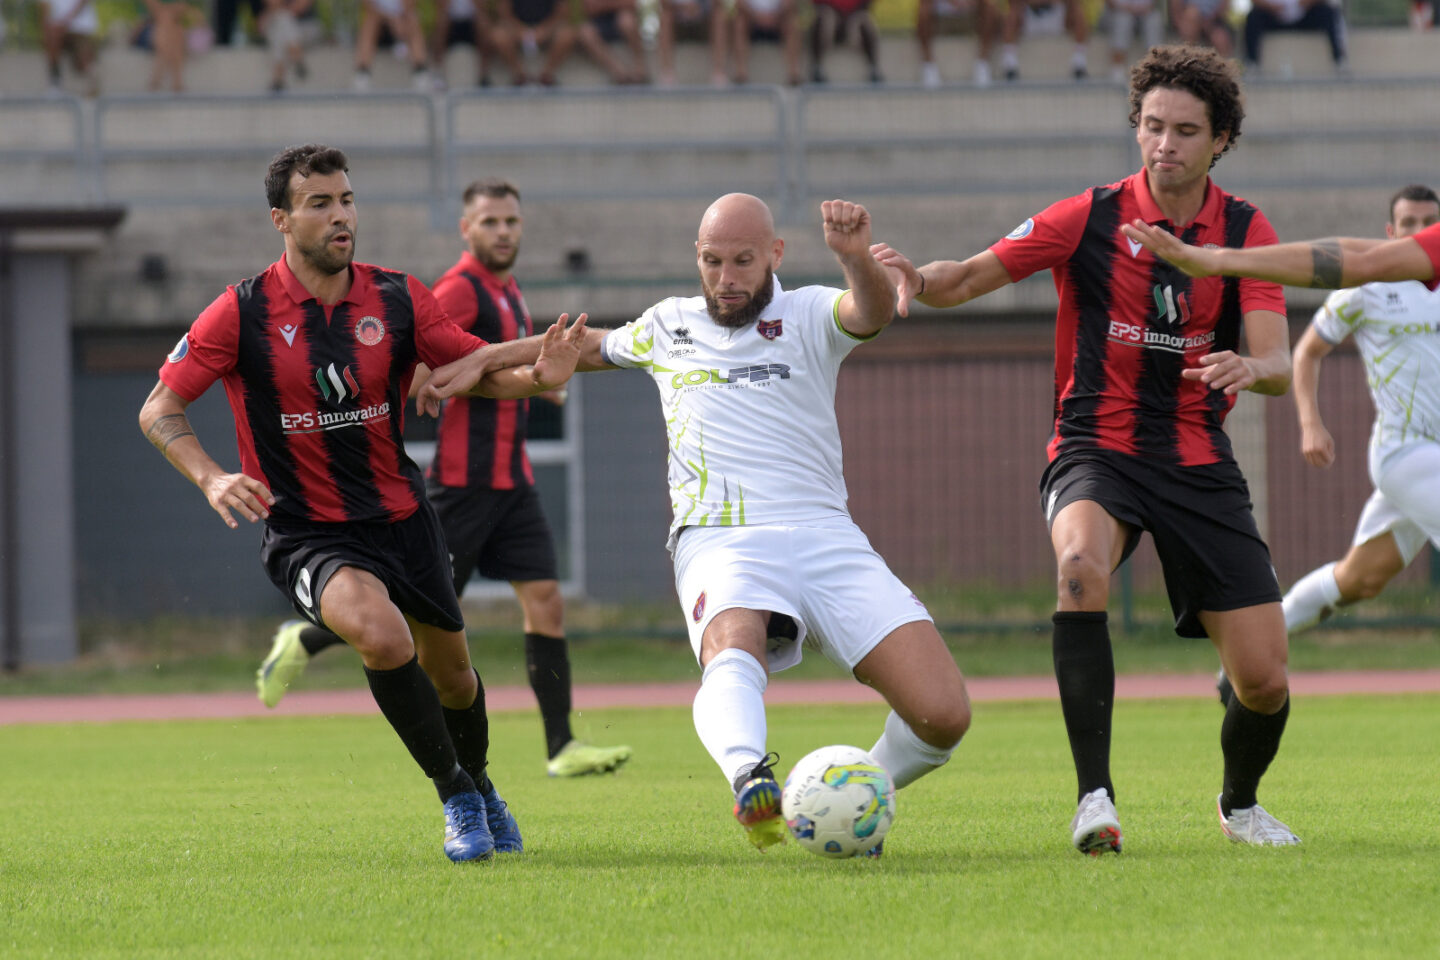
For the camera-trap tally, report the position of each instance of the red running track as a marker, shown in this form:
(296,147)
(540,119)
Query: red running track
(117,707)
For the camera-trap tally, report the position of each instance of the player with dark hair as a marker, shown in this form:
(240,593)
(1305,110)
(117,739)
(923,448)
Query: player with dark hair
(1146,369)
(316,354)
(483,489)
(767,559)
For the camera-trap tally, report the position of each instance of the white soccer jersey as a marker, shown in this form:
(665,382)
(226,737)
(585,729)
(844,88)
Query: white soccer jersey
(750,412)
(1397,330)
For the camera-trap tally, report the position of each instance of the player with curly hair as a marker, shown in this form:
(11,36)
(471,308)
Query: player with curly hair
(1147,366)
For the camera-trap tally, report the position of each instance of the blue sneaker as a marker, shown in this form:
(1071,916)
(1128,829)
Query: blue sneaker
(467,836)
(503,828)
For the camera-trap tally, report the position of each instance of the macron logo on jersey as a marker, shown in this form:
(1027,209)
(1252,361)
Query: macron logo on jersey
(288,332)
(1135,247)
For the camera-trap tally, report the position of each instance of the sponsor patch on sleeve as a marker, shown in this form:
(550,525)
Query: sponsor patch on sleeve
(181,349)
(1022,231)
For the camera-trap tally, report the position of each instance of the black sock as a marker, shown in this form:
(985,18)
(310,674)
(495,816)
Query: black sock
(1085,672)
(1249,741)
(470,733)
(408,700)
(548,665)
(314,639)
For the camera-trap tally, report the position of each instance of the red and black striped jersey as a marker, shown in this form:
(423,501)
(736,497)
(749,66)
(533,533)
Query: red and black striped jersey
(318,392)
(481,442)
(1129,322)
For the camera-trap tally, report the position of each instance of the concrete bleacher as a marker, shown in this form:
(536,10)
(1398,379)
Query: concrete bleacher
(623,175)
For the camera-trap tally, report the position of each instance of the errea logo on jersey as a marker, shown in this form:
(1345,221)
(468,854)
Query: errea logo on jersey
(756,373)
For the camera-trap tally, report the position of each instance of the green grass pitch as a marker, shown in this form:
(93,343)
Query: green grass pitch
(316,837)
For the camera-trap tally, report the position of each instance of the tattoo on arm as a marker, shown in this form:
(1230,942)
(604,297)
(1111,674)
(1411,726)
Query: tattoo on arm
(1327,259)
(167,429)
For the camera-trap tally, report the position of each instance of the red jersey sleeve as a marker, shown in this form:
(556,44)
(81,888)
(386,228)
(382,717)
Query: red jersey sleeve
(438,340)
(1429,240)
(1045,240)
(456,296)
(1261,294)
(207,351)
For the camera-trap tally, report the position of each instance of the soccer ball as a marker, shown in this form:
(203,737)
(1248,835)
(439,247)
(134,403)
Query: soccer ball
(838,802)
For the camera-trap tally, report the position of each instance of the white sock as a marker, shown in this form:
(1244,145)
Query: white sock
(1010,56)
(729,711)
(904,755)
(1313,598)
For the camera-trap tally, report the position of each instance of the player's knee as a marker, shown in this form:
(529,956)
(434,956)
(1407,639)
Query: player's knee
(1082,579)
(381,649)
(943,726)
(1263,694)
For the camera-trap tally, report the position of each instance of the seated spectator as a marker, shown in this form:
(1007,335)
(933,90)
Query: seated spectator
(1127,17)
(612,21)
(69,27)
(767,20)
(165,33)
(1204,21)
(400,19)
(927,22)
(1318,15)
(525,28)
(834,21)
(289,27)
(693,19)
(462,22)
(1037,18)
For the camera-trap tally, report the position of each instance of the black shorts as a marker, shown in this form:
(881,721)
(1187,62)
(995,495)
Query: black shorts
(1199,517)
(408,556)
(503,534)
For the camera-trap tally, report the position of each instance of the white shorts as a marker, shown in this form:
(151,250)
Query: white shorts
(1381,516)
(821,573)
(1406,476)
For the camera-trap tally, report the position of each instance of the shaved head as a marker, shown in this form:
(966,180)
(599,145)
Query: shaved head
(738,217)
(737,252)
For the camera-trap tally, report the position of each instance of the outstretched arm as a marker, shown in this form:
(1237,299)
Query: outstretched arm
(1329,263)
(943,283)
(1316,444)
(536,368)
(870,305)
(163,420)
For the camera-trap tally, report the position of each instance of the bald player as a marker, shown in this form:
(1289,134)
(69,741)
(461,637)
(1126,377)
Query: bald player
(767,558)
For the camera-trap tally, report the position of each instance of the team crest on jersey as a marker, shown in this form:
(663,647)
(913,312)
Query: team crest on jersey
(1022,231)
(181,349)
(698,611)
(369,330)
(769,329)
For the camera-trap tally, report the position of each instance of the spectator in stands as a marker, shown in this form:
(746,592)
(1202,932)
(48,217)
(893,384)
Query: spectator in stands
(692,19)
(1126,18)
(767,20)
(614,21)
(525,28)
(835,20)
(69,27)
(462,22)
(289,27)
(1311,15)
(927,15)
(1037,18)
(227,16)
(163,33)
(400,19)
(1204,21)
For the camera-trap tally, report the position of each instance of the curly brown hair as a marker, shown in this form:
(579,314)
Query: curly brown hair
(1199,71)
